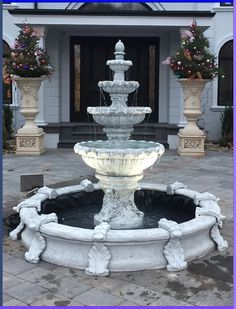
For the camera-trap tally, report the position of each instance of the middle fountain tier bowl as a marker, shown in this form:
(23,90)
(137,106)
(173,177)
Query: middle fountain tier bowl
(119,167)
(118,122)
(118,119)
(120,87)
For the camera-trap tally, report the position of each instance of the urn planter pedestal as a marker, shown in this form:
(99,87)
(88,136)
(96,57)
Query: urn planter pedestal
(29,138)
(191,138)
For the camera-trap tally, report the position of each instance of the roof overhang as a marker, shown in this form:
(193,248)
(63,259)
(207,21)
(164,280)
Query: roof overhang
(45,17)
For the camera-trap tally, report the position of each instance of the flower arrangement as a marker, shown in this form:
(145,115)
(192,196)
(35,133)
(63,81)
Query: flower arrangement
(27,59)
(193,60)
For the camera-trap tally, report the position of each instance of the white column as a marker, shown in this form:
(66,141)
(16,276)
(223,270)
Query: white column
(182,120)
(40,119)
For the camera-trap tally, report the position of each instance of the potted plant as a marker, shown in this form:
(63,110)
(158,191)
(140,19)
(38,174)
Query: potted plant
(194,66)
(28,65)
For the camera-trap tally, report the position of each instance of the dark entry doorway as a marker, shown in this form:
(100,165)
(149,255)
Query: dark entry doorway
(88,67)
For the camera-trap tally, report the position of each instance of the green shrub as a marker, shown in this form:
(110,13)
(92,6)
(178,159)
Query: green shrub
(7,125)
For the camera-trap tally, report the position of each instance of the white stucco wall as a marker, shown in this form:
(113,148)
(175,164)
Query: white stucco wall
(220,32)
(163,78)
(65,78)
(52,86)
(56,92)
(9,29)
(174,88)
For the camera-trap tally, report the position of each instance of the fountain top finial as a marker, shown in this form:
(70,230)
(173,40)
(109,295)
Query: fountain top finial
(120,47)
(119,50)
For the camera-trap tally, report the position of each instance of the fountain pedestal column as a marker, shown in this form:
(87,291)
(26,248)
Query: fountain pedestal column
(191,138)
(118,208)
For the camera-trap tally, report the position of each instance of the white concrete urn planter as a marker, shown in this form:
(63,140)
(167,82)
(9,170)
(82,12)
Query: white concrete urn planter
(30,138)
(191,138)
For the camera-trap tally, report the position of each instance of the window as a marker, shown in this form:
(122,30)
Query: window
(115,6)
(9,5)
(226,3)
(7,83)
(225,86)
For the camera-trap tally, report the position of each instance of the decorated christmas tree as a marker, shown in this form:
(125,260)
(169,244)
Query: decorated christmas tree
(27,59)
(193,59)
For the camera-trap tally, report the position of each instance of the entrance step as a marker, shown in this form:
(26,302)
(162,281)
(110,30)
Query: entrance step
(73,132)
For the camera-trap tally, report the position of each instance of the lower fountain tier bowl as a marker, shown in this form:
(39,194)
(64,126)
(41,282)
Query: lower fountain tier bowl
(180,229)
(118,117)
(119,158)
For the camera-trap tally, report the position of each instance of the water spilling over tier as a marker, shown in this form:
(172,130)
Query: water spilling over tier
(119,162)
(118,119)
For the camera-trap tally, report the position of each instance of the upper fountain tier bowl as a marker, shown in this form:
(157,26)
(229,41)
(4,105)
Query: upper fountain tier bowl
(119,65)
(124,159)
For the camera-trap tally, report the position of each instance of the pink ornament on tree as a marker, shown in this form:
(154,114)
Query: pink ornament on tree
(167,61)
(188,33)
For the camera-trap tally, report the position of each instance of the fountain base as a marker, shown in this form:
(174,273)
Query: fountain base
(119,209)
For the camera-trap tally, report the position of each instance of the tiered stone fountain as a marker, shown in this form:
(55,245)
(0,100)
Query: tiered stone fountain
(119,237)
(119,163)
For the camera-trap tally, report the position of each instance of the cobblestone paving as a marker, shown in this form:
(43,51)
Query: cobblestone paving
(207,281)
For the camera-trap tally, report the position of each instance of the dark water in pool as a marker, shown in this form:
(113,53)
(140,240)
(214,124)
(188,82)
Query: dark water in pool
(78,209)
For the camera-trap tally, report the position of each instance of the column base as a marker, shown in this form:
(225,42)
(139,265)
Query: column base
(191,146)
(30,144)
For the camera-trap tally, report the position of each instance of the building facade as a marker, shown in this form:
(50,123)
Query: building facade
(80,38)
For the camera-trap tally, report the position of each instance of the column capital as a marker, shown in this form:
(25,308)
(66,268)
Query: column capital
(41,31)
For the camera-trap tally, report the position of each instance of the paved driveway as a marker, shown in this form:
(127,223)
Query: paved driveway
(207,281)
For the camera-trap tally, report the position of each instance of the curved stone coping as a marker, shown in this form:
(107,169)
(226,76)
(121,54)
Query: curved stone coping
(170,245)
(117,236)
(210,206)
(131,148)
(33,201)
(32,205)
(124,236)
(114,111)
(31,216)
(74,189)
(195,225)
